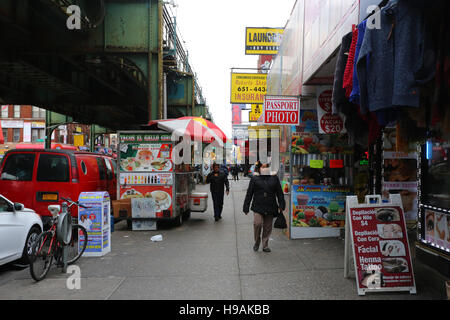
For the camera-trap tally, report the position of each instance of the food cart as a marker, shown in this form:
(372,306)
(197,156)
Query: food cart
(150,186)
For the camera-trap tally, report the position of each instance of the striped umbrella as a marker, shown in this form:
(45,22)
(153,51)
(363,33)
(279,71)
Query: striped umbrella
(197,127)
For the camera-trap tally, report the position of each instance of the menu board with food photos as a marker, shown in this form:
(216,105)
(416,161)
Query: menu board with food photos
(145,152)
(158,198)
(147,172)
(380,246)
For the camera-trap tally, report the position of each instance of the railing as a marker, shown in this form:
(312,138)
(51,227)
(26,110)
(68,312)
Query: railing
(176,51)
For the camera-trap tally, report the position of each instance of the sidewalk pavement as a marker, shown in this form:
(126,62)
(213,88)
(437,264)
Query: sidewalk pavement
(208,260)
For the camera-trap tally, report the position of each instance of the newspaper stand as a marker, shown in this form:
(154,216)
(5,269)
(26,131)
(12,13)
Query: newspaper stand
(96,218)
(376,237)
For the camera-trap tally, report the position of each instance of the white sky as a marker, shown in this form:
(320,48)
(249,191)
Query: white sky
(214,35)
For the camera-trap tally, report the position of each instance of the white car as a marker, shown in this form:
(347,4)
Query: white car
(19,228)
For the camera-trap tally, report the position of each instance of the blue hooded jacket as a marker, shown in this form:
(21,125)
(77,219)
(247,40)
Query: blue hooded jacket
(355,94)
(396,50)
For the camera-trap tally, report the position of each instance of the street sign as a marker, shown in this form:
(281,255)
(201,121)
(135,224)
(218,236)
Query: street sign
(376,234)
(248,88)
(256,112)
(281,110)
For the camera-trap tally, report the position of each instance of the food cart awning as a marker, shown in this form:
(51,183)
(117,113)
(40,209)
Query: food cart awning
(198,128)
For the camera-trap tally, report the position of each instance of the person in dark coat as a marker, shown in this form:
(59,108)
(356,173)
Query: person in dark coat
(235,172)
(266,197)
(218,181)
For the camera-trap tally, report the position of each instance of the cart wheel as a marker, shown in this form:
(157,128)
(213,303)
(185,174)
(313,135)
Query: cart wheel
(186,215)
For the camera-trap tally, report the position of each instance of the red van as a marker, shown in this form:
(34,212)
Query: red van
(40,177)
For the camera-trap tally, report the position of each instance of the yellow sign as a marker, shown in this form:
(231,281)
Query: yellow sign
(263,40)
(248,88)
(78,140)
(263,132)
(256,112)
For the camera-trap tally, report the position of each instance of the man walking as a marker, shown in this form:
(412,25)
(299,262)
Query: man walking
(235,172)
(218,180)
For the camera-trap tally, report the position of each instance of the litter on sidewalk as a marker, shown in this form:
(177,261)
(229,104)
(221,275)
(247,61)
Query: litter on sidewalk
(156,238)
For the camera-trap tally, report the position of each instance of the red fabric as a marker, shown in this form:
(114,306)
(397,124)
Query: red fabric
(2,138)
(348,73)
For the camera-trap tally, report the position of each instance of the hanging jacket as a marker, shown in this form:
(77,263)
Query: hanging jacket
(355,95)
(396,50)
(264,190)
(339,99)
(348,73)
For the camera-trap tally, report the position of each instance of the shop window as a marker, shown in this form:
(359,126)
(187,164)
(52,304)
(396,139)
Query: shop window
(37,134)
(5,134)
(16,135)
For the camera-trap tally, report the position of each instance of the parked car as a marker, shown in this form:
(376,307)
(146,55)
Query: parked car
(19,228)
(40,177)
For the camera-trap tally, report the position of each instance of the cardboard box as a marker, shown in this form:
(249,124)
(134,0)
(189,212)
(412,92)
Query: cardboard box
(122,208)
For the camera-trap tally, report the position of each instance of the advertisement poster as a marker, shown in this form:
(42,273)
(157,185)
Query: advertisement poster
(95,218)
(248,88)
(91,219)
(160,197)
(313,143)
(328,122)
(146,157)
(236,114)
(400,174)
(437,229)
(381,249)
(318,206)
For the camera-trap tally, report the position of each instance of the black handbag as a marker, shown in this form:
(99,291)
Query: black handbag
(280,221)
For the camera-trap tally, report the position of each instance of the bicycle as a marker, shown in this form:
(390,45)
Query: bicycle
(61,235)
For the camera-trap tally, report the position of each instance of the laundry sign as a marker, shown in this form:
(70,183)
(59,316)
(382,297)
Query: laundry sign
(262,41)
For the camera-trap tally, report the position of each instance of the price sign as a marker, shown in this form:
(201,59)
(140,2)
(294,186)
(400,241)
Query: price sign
(316,164)
(328,123)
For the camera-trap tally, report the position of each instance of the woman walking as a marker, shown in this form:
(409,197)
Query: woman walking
(264,189)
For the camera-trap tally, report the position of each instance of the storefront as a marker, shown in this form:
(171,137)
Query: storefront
(395,135)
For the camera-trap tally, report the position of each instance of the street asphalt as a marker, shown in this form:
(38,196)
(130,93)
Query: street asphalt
(207,260)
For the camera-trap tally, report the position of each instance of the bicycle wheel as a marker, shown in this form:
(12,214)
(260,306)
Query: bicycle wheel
(42,255)
(77,244)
